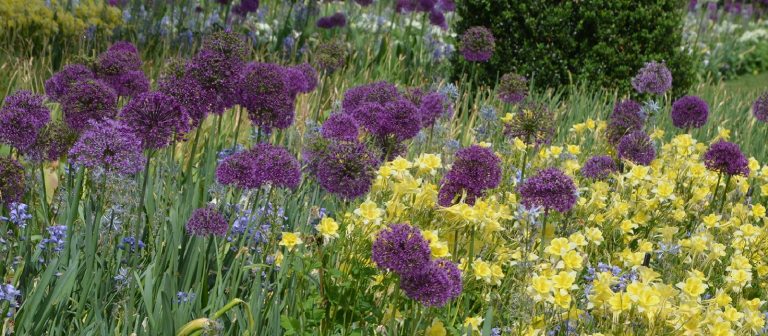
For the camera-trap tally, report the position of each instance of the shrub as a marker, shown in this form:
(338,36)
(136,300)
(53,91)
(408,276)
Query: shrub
(603,42)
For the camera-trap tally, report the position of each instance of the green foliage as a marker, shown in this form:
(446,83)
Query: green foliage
(603,42)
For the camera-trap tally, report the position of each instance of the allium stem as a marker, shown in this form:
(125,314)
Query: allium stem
(43,193)
(725,192)
(237,129)
(142,199)
(544,231)
(717,187)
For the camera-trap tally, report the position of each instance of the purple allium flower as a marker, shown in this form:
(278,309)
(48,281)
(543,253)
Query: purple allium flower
(128,84)
(192,97)
(400,119)
(475,170)
(512,88)
(435,285)
(12,181)
(653,78)
(550,188)
(21,118)
(207,221)
(364,3)
(340,126)
(760,107)
(689,111)
(726,157)
(432,106)
(337,20)
(302,78)
(265,92)
(218,72)
(53,141)
(88,100)
(534,123)
(378,92)
(598,167)
(229,44)
(330,56)
(343,168)
(446,5)
(245,7)
(477,44)
(124,46)
(437,18)
(637,147)
(61,82)
(627,117)
(401,248)
(264,163)
(111,145)
(156,119)
(116,61)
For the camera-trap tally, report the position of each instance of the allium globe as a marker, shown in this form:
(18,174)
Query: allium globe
(401,248)
(477,44)
(653,78)
(726,157)
(207,222)
(550,188)
(689,112)
(637,147)
(156,119)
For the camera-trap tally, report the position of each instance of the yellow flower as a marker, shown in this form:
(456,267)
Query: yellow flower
(758,210)
(400,164)
(290,240)
(693,286)
(473,322)
(482,270)
(484,144)
(562,299)
(497,274)
(369,212)
(328,228)
(594,235)
(559,246)
(564,280)
(519,144)
(541,284)
(429,163)
(436,329)
(620,302)
(572,260)
(507,118)
(574,149)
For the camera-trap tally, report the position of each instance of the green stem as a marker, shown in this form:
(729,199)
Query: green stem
(725,192)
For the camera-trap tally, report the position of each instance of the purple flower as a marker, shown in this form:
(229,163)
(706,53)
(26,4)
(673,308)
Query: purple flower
(340,126)
(432,106)
(534,123)
(512,88)
(400,119)
(53,141)
(128,84)
(110,145)
(301,78)
(192,96)
(637,147)
(446,5)
(364,3)
(228,44)
(61,82)
(378,92)
(689,111)
(265,92)
(726,157)
(760,107)
(117,61)
(477,44)
(57,236)
(550,188)
(330,56)
(343,168)
(401,248)
(437,18)
(123,46)
(218,72)
(598,167)
(337,20)
(627,117)
(207,221)
(475,170)
(435,285)
(155,119)
(653,78)
(12,181)
(264,163)
(21,118)
(245,7)
(88,100)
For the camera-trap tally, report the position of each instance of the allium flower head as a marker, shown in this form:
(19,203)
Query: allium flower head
(475,170)
(156,119)
(206,222)
(401,248)
(245,7)
(228,44)
(61,82)
(598,167)
(637,147)
(653,78)
(343,168)
(265,92)
(378,92)
(53,141)
(627,117)
(117,61)
(88,100)
(438,283)
(726,157)
(340,126)
(302,78)
(432,106)
(512,88)
(21,118)
(218,72)
(533,124)
(477,44)
(128,84)
(760,108)
(330,56)
(110,145)
(192,96)
(262,164)
(337,20)
(12,181)
(123,46)
(437,18)
(550,188)
(399,119)
(689,111)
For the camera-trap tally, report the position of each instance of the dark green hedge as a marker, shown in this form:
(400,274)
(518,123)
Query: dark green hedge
(602,42)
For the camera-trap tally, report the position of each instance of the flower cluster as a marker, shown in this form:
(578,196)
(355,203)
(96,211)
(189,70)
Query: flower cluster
(21,119)
(653,78)
(206,222)
(550,188)
(689,112)
(120,68)
(262,164)
(109,145)
(477,44)
(476,170)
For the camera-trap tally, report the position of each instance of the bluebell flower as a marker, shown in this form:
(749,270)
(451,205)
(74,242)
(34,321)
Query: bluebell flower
(18,215)
(184,297)
(131,244)
(57,235)
(9,293)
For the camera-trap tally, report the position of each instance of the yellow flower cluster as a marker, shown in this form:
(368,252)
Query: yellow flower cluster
(34,17)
